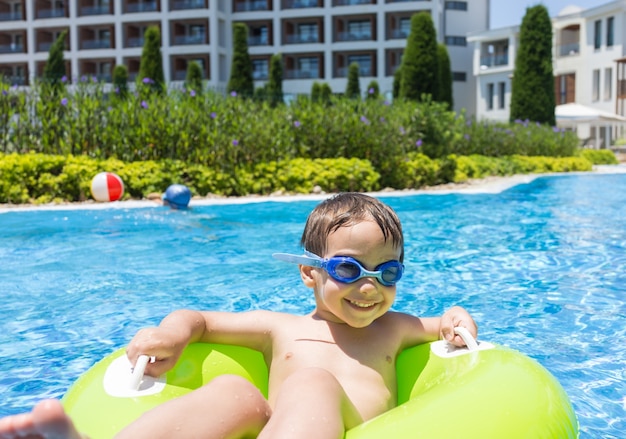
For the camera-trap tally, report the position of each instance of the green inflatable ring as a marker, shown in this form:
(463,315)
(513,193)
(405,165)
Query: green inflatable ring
(494,392)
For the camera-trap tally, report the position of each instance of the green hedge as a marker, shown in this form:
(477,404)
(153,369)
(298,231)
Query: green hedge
(42,178)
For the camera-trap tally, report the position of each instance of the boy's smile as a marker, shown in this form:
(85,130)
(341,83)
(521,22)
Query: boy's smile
(359,303)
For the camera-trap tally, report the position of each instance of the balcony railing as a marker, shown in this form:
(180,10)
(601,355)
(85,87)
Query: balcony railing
(298,4)
(11,16)
(399,34)
(494,60)
(95,44)
(179,5)
(258,41)
(351,2)
(342,72)
(299,39)
(135,42)
(50,13)
(252,5)
(302,74)
(11,48)
(141,7)
(95,10)
(189,39)
(354,36)
(260,74)
(569,49)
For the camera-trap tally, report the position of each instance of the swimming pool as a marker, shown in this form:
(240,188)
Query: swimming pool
(541,266)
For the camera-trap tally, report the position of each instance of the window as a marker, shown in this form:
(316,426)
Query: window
(307,32)
(597,35)
(459,76)
(501,94)
(490,96)
(610,31)
(364,62)
(260,69)
(457,6)
(608,82)
(562,89)
(452,40)
(360,29)
(595,88)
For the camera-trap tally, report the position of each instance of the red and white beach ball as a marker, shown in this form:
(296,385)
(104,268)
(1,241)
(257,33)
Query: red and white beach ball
(107,186)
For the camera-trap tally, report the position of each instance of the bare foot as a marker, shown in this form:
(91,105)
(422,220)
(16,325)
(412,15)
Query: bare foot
(47,421)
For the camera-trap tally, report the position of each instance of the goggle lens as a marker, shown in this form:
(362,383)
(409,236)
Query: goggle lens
(347,270)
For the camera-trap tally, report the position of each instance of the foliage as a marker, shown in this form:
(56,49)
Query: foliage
(316,90)
(275,84)
(373,90)
(397,79)
(533,82)
(444,93)
(151,64)
(54,69)
(353,88)
(599,156)
(193,79)
(419,70)
(120,80)
(241,80)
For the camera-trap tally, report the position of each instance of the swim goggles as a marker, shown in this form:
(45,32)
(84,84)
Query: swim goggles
(346,269)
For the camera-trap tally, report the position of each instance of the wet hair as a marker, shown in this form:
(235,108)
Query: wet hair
(347,209)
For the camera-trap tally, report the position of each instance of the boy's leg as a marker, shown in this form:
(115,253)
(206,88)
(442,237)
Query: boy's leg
(311,404)
(227,407)
(47,421)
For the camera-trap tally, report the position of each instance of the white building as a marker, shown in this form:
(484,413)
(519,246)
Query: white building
(317,38)
(588,64)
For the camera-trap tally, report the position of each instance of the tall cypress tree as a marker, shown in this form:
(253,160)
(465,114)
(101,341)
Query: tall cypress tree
(353,89)
(120,80)
(193,79)
(445,76)
(419,70)
(151,64)
(532,87)
(54,70)
(275,84)
(241,80)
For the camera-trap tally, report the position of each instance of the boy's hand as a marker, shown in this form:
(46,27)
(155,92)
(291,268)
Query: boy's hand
(162,343)
(456,316)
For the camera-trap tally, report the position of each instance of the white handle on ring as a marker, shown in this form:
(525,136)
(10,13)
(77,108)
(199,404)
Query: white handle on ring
(469,340)
(138,371)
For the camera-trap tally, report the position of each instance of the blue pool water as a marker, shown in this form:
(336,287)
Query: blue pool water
(541,266)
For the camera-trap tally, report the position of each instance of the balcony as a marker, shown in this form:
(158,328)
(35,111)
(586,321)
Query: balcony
(353,2)
(181,5)
(12,48)
(51,13)
(44,38)
(570,49)
(134,33)
(180,64)
(11,16)
(302,74)
(301,39)
(366,61)
(352,36)
(252,5)
(494,61)
(95,10)
(300,4)
(147,6)
(95,44)
(15,74)
(342,72)
(181,40)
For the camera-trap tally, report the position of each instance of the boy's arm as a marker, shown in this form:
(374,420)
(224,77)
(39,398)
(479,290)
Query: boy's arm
(426,329)
(167,341)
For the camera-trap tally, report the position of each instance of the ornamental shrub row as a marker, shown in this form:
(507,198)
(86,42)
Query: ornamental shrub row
(43,178)
(229,133)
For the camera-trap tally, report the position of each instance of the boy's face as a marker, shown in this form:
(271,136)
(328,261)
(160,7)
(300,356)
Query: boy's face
(359,303)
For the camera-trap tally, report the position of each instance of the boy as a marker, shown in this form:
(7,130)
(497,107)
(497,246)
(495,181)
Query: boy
(330,370)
